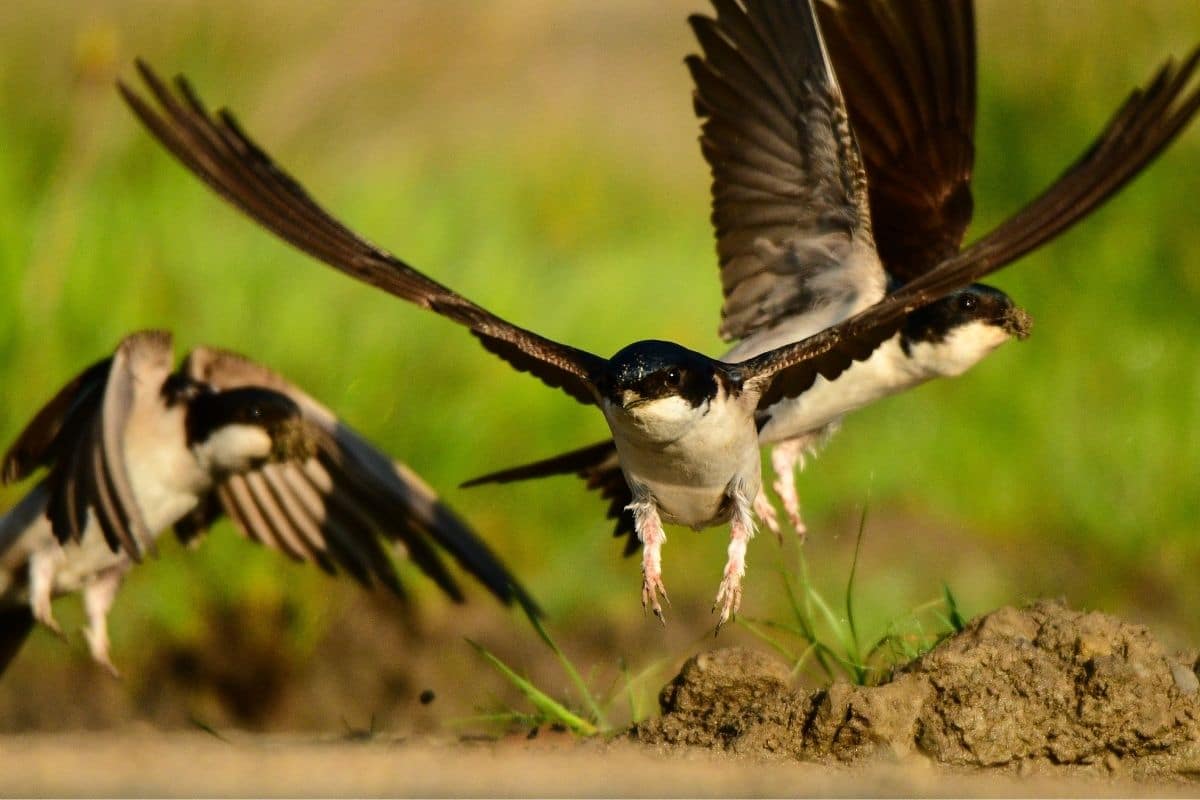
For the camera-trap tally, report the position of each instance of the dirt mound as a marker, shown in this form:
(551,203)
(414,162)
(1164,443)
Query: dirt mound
(1039,687)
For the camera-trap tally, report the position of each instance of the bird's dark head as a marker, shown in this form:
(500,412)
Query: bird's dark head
(958,330)
(653,370)
(246,426)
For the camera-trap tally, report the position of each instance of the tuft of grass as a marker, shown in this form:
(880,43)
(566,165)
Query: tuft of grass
(827,643)
(596,714)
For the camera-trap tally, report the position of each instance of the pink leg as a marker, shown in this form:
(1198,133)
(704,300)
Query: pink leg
(650,530)
(43,565)
(741,531)
(785,458)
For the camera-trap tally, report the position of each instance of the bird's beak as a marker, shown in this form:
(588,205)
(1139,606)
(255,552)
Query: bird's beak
(1018,322)
(631,399)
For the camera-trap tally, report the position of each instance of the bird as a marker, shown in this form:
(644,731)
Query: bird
(684,425)
(135,446)
(908,73)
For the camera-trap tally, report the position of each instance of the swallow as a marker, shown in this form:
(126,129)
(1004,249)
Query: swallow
(134,446)
(684,425)
(908,72)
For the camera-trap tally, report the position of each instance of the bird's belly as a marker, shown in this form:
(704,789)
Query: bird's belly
(690,479)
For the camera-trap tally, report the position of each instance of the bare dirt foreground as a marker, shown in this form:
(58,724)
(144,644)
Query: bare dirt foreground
(1041,700)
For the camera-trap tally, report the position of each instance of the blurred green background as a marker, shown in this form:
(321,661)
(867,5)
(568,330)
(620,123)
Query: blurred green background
(541,157)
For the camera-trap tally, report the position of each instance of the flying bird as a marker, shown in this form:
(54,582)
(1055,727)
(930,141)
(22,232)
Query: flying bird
(908,72)
(135,446)
(684,425)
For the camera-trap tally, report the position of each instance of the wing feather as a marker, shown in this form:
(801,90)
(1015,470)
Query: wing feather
(216,149)
(350,495)
(786,169)
(1148,121)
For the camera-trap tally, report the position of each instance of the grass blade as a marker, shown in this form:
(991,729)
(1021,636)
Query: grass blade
(544,703)
(585,694)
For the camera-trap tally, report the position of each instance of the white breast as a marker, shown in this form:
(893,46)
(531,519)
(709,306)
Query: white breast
(687,458)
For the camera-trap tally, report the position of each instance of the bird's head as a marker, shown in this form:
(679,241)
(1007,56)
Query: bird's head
(954,333)
(241,428)
(660,387)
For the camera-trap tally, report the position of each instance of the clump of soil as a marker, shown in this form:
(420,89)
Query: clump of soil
(1038,687)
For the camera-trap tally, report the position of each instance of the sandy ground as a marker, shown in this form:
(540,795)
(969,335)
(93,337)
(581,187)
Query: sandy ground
(147,763)
(1034,701)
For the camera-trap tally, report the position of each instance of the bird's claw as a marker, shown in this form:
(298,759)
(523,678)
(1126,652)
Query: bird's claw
(45,617)
(729,598)
(652,587)
(791,506)
(98,645)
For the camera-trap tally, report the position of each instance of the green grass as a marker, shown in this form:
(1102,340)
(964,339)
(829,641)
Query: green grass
(825,642)
(543,160)
(595,714)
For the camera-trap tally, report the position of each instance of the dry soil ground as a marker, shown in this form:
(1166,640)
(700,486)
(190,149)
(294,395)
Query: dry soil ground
(1034,701)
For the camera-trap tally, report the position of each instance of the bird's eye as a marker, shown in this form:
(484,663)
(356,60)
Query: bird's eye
(968,302)
(255,412)
(674,377)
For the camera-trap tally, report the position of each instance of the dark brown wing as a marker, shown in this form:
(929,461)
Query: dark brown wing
(336,508)
(789,192)
(1148,121)
(907,68)
(597,464)
(55,428)
(220,153)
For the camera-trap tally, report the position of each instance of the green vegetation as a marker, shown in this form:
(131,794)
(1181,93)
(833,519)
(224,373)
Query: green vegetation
(830,644)
(541,158)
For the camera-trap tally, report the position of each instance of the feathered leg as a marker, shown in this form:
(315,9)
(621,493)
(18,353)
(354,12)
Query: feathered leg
(650,530)
(786,457)
(741,531)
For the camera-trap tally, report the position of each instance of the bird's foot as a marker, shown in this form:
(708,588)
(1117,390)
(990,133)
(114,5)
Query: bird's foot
(741,529)
(45,615)
(786,457)
(729,595)
(786,489)
(652,587)
(97,640)
(764,510)
(43,566)
(649,529)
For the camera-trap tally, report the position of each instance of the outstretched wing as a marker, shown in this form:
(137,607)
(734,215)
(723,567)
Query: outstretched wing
(1148,121)
(334,508)
(789,191)
(217,150)
(80,435)
(908,71)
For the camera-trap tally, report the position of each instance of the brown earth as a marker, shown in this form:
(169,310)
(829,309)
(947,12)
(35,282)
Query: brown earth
(1040,689)
(1034,701)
